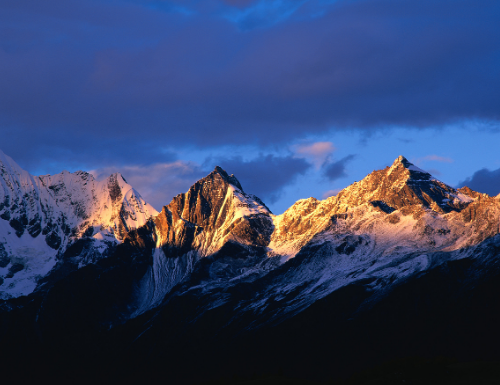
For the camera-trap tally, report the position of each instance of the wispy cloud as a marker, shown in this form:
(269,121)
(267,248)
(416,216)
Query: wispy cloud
(263,13)
(433,158)
(337,170)
(157,183)
(434,172)
(317,153)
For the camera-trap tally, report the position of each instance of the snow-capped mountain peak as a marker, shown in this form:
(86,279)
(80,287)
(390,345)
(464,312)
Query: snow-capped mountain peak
(398,212)
(42,215)
(399,192)
(402,185)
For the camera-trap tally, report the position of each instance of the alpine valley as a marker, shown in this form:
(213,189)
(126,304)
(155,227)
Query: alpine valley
(96,285)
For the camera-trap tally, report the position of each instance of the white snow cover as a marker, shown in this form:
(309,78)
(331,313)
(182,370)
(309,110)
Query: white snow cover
(362,242)
(33,254)
(459,197)
(240,205)
(245,204)
(60,203)
(84,200)
(386,253)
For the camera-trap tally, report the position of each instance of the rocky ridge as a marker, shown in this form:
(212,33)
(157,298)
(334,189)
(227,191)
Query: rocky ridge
(390,226)
(220,211)
(394,198)
(392,211)
(216,264)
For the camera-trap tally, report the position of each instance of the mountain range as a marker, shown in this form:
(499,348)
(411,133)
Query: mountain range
(95,282)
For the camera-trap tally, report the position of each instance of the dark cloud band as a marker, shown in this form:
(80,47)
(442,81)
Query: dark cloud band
(484,181)
(265,176)
(79,74)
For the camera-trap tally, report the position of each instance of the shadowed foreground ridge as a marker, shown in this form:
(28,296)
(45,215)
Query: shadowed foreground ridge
(215,286)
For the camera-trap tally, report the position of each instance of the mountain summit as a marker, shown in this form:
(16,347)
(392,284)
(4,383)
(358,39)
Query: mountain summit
(82,220)
(404,186)
(215,277)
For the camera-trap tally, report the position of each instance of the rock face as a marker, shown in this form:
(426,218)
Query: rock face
(86,258)
(73,217)
(218,206)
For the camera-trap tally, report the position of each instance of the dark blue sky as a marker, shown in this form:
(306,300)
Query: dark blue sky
(296,98)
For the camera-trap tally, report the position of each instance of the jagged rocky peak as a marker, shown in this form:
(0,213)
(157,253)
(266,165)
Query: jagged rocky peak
(218,205)
(400,203)
(402,166)
(231,179)
(203,202)
(403,186)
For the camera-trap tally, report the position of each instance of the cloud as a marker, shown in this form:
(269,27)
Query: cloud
(336,170)
(239,3)
(437,158)
(97,81)
(317,152)
(484,181)
(265,176)
(263,13)
(433,158)
(157,183)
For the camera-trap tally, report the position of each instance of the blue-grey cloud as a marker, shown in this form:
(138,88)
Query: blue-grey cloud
(264,13)
(239,3)
(265,176)
(336,170)
(484,181)
(105,80)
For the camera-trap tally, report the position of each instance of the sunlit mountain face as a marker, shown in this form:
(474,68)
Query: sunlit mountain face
(398,264)
(197,192)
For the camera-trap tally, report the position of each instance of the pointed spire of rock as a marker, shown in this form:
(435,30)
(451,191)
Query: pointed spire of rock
(203,202)
(218,205)
(403,185)
(402,160)
(402,163)
(231,179)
